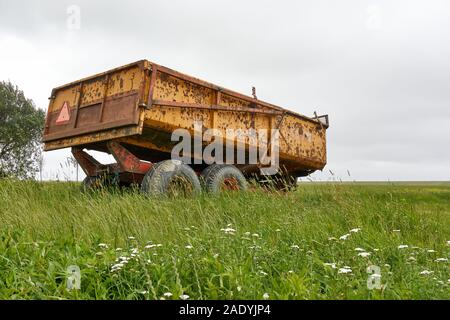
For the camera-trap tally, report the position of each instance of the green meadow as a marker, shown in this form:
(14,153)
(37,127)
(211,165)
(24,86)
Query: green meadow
(321,241)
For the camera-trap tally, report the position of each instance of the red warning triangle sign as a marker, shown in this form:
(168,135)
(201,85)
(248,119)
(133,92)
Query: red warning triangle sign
(64,114)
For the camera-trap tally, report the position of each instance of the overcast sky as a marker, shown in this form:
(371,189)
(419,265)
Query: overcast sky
(380,69)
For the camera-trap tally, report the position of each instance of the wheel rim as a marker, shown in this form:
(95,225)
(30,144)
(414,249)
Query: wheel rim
(230,184)
(179,186)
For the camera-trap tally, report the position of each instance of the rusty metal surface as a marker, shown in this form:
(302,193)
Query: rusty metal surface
(108,100)
(178,100)
(126,160)
(136,101)
(90,166)
(128,168)
(92,138)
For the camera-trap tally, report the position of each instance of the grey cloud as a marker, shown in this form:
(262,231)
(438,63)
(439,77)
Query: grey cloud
(386,87)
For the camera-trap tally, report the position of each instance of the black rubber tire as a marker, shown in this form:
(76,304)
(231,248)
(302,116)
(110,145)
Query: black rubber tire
(158,181)
(213,177)
(145,185)
(92,183)
(207,170)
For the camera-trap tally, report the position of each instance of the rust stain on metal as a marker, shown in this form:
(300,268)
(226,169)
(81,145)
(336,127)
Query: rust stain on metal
(127,161)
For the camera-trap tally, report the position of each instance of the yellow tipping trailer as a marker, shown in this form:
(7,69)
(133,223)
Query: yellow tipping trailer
(132,111)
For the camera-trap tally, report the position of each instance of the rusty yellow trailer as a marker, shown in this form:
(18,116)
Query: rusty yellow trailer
(132,111)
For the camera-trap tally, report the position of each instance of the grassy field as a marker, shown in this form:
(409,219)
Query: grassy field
(314,243)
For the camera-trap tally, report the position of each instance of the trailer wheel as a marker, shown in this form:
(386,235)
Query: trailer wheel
(92,183)
(170,178)
(223,177)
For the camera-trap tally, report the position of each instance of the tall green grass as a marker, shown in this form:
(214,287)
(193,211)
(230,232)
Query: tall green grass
(233,246)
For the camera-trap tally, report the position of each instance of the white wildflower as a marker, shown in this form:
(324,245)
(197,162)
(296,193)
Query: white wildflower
(184,297)
(364,254)
(118,249)
(332,265)
(396,230)
(262,273)
(149,246)
(360,249)
(412,259)
(189,246)
(239,288)
(431,251)
(278,230)
(344,237)
(167,294)
(124,259)
(255,235)
(355,230)
(265,296)
(441,260)
(425,272)
(294,246)
(376,249)
(103,245)
(403,246)
(332,239)
(131,238)
(117,266)
(143,292)
(345,270)
(228,230)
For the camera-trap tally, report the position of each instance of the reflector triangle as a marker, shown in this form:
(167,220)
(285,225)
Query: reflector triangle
(64,114)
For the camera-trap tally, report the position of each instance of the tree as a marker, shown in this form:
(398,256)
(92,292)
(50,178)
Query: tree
(21,125)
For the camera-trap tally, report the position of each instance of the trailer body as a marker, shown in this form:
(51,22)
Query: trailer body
(131,112)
